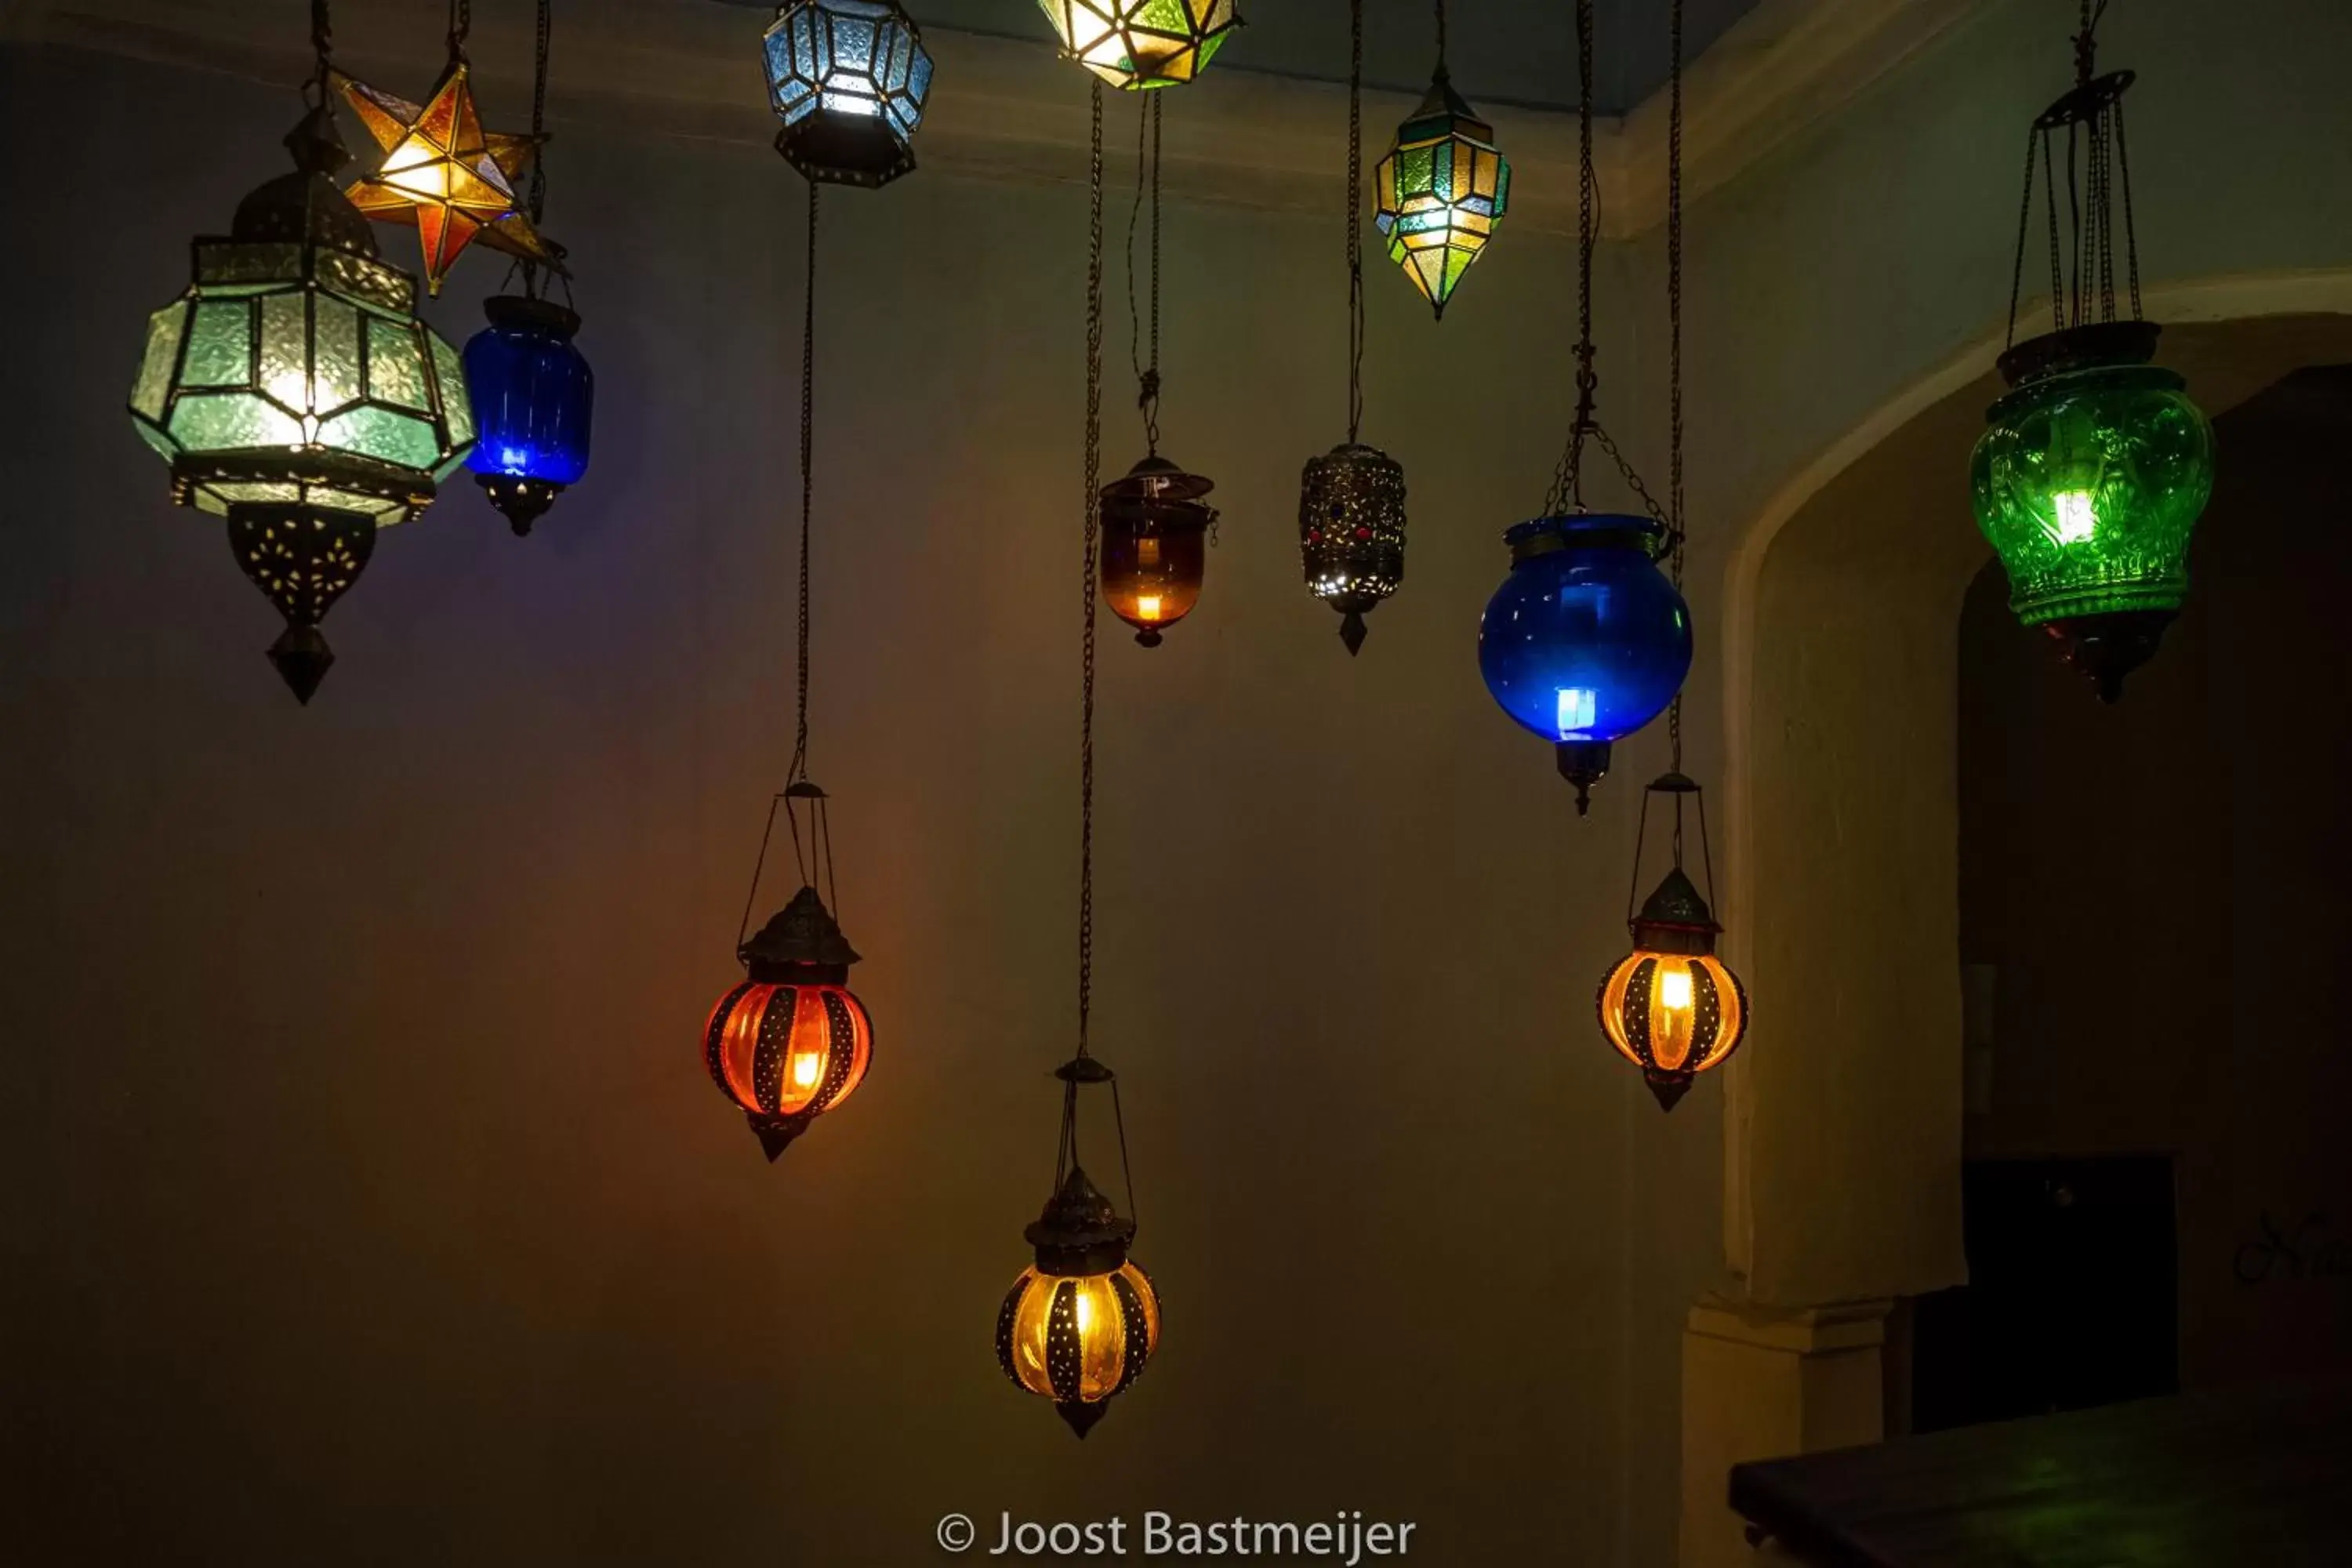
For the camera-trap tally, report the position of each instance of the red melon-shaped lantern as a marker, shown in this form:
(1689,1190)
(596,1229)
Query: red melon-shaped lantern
(792,1042)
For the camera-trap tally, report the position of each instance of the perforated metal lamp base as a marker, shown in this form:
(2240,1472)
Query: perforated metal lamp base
(2107,648)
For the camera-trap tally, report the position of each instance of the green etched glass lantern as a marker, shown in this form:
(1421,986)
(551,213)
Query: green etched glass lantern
(296,394)
(2088,480)
(1440,190)
(2095,466)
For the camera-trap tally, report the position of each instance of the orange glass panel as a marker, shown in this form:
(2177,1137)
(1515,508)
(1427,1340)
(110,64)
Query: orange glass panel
(811,1046)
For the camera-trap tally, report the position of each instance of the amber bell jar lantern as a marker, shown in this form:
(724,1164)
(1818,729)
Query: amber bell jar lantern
(792,1042)
(1155,539)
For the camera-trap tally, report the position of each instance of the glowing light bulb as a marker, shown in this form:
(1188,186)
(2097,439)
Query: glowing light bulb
(808,1064)
(1147,606)
(2077,516)
(1674,990)
(1085,1311)
(1578,710)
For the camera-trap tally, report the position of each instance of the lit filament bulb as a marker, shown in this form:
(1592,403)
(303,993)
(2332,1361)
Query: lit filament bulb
(2077,516)
(1674,990)
(1147,606)
(806,1064)
(1578,706)
(415,169)
(1085,1310)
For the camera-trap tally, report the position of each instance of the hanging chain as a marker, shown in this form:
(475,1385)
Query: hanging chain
(322,45)
(1441,36)
(1147,186)
(538,201)
(808,485)
(1355,229)
(1568,481)
(1674,510)
(461,23)
(1086,584)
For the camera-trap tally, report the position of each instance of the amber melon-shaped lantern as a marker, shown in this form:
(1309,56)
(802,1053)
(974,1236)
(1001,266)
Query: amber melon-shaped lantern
(1155,529)
(1080,1326)
(792,1042)
(1671,1007)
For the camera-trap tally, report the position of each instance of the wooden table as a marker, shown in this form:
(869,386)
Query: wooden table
(2249,1480)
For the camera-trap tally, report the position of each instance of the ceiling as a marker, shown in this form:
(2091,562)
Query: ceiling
(1500,51)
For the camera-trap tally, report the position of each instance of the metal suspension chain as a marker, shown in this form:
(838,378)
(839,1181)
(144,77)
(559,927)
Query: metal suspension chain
(1674,367)
(1147,187)
(461,23)
(1355,229)
(808,487)
(1568,481)
(1440,38)
(538,200)
(322,45)
(1090,501)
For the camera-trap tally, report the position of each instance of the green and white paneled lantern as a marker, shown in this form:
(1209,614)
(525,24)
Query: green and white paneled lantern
(296,394)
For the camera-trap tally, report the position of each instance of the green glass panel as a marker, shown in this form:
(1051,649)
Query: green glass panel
(1163,17)
(286,351)
(383,433)
(395,368)
(367,282)
(1209,48)
(155,437)
(2088,484)
(227,265)
(1413,172)
(220,346)
(335,350)
(154,387)
(231,421)
(1502,184)
(1441,168)
(456,404)
(1457,262)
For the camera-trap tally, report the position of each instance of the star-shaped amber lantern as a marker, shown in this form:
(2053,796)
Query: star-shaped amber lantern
(444,174)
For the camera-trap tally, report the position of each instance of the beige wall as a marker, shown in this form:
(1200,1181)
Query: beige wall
(361,1184)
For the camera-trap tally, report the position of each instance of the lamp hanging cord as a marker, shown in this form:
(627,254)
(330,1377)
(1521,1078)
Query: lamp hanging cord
(808,486)
(461,23)
(538,201)
(1147,182)
(323,45)
(1086,584)
(1355,214)
(1568,482)
(1441,36)
(1675,368)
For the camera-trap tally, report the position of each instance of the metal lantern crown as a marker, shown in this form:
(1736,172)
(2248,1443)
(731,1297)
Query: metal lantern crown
(1442,190)
(295,392)
(1139,44)
(848,79)
(1671,1007)
(1586,641)
(1352,531)
(1081,1323)
(792,1042)
(2095,467)
(1155,530)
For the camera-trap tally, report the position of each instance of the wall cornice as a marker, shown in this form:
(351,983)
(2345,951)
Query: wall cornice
(1007,109)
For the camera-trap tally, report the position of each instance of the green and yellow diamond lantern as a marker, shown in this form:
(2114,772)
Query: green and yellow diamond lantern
(1142,43)
(2088,480)
(1442,189)
(296,394)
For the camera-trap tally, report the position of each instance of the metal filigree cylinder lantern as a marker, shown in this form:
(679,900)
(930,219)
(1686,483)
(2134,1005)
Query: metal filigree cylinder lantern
(1671,1007)
(1155,537)
(792,1042)
(1080,1324)
(1351,533)
(297,396)
(848,79)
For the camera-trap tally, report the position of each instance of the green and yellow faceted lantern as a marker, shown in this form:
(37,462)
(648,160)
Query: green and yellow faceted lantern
(2088,480)
(1137,44)
(296,394)
(1442,190)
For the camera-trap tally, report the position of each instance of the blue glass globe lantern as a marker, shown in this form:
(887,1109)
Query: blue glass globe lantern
(848,79)
(533,395)
(1586,641)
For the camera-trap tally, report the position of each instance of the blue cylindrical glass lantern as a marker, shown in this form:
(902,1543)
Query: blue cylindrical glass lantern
(533,398)
(848,79)
(1586,641)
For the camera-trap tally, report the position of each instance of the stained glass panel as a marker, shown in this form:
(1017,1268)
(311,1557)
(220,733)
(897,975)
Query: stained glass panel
(396,370)
(213,422)
(155,385)
(220,344)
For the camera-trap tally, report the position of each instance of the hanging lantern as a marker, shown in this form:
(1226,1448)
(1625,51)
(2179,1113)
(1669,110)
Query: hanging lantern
(1352,531)
(1586,640)
(1081,1323)
(1442,189)
(442,173)
(534,397)
(848,79)
(295,394)
(1155,530)
(1671,1007)
(2095,467)
(1142,43)
(792,1042)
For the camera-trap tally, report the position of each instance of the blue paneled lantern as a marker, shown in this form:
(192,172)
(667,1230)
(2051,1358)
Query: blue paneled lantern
(534,397)
(848,79)
(1586,641)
